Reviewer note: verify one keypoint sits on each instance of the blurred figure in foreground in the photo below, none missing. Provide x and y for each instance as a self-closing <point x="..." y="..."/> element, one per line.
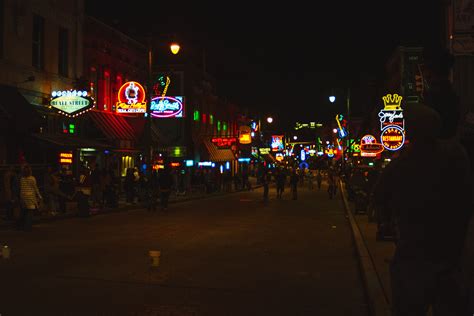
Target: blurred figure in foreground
<point x="425" y="195"/>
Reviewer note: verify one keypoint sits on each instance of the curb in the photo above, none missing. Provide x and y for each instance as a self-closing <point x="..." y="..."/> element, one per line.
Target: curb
<point x="11" y="226"/>
<point x="378" y="303"/>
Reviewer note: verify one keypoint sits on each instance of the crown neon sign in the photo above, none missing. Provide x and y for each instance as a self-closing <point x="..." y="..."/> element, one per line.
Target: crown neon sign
<point x="392" y="122"/>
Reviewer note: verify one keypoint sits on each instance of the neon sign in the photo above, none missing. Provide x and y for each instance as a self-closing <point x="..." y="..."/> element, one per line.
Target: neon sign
<point x="393" y="137"/>
<point x="65" y="158"/>
<point x="224" y="142"/>
<point x="245" y="136"/>
<point x="71" y="103"/>
<point x="342" y="132"/>
<point x="264" y="151"/>
<point x="131" y="98"/>
<point x="369" y="146"/>
<point x="277" y="143"/>
<point x="163" y="107"/>
<point x="392" y="123"/>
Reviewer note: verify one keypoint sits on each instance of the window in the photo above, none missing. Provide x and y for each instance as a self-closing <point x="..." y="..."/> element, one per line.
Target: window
<point x="63" y="44"/>
<point x="38" y="42"/>
<point x="93" y="82"/>
<point x="107" y="102"/>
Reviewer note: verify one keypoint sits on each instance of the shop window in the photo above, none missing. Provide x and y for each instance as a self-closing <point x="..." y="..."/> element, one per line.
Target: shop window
<point x="127" y="162"/>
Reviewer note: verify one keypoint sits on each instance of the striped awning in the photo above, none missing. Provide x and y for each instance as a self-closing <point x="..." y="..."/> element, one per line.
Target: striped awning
<point x="113" y="126"/>
<point x="218" y="155"/>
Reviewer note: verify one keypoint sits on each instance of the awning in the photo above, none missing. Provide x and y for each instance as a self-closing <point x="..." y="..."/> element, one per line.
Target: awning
<point x="70" y="141"/>
<point x="114" y="127"/>
<point x="16" y="113"/>
<point x="268" y="158"/>
<point x="218" y="155"/>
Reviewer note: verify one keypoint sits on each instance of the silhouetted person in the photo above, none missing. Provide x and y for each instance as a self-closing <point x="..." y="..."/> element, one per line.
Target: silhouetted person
<point x="294" y="178"/>
<point x="265" y="180"/>
<point x="280" y="179"/>
<point x="425" y="194"/>
<point x="30" y="198"/>
<point x="165" y="180"/>
<point x="438" y="91"/>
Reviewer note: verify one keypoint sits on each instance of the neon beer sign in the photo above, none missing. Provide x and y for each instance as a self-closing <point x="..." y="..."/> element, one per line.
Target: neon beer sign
<point x="131" y="98"/>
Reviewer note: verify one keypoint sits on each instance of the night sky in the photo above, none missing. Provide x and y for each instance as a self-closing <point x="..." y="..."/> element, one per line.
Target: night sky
<point x="283" y="59"/>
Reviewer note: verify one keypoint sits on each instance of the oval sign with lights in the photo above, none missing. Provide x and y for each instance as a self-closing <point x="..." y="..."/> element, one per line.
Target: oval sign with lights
<point x="392" y="137"/>
<point x="163" y="107"/>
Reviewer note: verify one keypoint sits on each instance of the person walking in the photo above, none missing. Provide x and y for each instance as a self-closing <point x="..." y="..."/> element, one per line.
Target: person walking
<point x="165" y="180"/>
<point x="332" y="187"/>
<point x="280" y="179"/>
<point x="265" y="180"/>
<point x="294" y="179"/>
<point x="319" y="179"/>
<point x="30" y="199"/>
<point x="129" y="186"/>
<point x="10" y="198"/>
<point x="428" y="204"/>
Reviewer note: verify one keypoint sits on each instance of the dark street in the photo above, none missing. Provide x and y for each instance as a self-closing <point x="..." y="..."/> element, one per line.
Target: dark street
<point x="229" y="255"/>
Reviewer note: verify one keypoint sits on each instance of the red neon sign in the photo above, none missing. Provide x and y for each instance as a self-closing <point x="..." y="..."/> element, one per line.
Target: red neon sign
<point x="131" y="98"/>
<point x="224" y="142"/>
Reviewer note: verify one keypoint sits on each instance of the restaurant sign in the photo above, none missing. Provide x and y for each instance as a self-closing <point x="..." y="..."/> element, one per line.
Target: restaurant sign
<point x="393" y="137"/>
<point x="131" y="98"/>
<point x="224" y="142"/>
<point x="163" y="107"/>
<point x="392" y="123"/>
<point x="71" y="102"/>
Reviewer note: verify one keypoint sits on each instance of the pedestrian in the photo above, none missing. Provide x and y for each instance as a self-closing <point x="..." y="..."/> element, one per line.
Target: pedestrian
<point x="30" y="199"/>
<point x="332" y="187"/>
<point x="10" y="196"/>
<point x="425" y="194"/>
<point x="319" y="179"/>
<point x="129" y="186"/>
<point x="152" y="191"/>
<point x="280" y="179"/>
<point x="265" y="180"/>
<point x="165" y="181"/>
<point x="294" y="179"/>
<point x="310" y="180"/>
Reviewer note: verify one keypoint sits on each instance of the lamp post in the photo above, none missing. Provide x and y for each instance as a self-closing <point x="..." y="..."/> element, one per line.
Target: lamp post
<point x="174" y="48"/>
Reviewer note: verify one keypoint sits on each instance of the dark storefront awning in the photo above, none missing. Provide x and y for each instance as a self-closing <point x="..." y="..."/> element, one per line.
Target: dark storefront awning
<point x="268" y="158"/>
<point x="218" y="155"/>
<point x="114" y="127"/>
<point x="69" y="141"/>
<point x="16" y="113"/>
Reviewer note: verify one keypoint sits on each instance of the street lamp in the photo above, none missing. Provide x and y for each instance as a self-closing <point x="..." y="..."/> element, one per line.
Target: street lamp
<point x="174" y="48"/>
<point x="332" y="98"/>
<point x="270" y="119"/>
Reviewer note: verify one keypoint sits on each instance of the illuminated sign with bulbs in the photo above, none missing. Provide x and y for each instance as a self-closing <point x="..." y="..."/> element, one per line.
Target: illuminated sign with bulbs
<point x="71" y="103"/>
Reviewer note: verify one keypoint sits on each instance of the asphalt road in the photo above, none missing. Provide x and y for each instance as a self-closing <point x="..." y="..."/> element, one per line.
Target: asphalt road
<point x="227" y="255"/>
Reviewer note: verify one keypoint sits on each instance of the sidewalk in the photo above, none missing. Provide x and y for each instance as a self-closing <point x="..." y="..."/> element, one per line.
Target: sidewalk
<point x="374" y="257"/>
<point x="123" y="206"/>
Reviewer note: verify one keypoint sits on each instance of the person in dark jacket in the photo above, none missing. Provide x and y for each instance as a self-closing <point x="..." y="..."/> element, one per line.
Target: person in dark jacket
<point x="165" y="180"/>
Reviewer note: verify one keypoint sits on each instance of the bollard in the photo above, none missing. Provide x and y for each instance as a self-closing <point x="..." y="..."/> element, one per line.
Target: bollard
<point x="5" y="252"/>
<point x="155" y="257"/>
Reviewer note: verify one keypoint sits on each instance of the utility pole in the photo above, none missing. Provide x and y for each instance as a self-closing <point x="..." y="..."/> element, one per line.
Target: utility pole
<point x="149" y="147"/>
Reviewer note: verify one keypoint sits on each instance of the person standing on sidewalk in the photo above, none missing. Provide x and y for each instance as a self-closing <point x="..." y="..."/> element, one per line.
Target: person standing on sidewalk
<point x="294" y="178"/>
<point x="165" y="181"/>
<point x="426" y="193"/>
<point x="265" y="180"/>
<point x="319" y="179"/>
<point x="30" y="199"/>
<point x="280" y="179"/>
